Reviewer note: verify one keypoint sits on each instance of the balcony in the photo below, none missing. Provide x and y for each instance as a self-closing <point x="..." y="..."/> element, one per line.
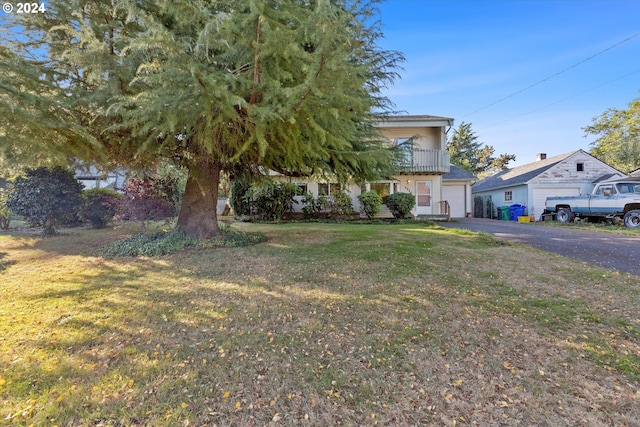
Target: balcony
<point x="424" y="161"/>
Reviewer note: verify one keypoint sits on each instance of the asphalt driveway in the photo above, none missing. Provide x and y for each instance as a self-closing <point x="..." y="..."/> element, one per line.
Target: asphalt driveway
<point x="607" y="250"/>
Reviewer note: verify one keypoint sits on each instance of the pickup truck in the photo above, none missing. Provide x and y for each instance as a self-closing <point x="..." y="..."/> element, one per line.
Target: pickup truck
<point x="613" y="201"/>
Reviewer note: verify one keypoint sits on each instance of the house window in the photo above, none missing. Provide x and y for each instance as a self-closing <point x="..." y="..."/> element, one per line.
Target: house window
<point x="508" y="196"/>
<point x="382" y="188"/>
<point x="326" y="189"/>
<point x="303" y="188"/>
<point x="580" y="167"/>
<point x="323" y="189"/>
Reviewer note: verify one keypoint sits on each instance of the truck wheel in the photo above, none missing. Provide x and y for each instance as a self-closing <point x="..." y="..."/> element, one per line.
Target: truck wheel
<point x="564" y="215"/>
<point x="632" y="218"/>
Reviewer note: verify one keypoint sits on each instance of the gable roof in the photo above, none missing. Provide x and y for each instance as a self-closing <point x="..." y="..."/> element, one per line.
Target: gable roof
<point x="518" y="175"/>
<point x="523" y="174"/>
<point x="457" y="174"/>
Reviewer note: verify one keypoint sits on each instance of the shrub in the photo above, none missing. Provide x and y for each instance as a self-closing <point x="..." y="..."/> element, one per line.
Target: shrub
<point x="99" y="206"/>
<point x="148" y="198"/>
<point x="370" y="203"/>
<point x="5" y="214"/>
<point x="340" y="203"/>
<point x="46" y="197"/>
<point x="150" y="244"/>
<point x="323" y="202"/>
<point x="311" y="205"/>
<point x="400" y="204"/>
<point x="272" y="200"/>
<point x="234" y="238"/>
<point x="237" y="200"/>
<point x="163" y="243"/>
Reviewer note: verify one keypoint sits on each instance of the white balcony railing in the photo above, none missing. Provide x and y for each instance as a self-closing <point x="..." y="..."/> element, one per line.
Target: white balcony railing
<point x="425" y="161"/>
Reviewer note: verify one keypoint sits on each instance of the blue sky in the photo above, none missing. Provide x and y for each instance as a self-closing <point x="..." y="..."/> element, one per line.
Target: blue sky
<point x="528" y="74"/>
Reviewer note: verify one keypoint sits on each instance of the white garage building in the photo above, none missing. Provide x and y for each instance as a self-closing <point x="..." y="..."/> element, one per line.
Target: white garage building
<point x="568" y="174"/>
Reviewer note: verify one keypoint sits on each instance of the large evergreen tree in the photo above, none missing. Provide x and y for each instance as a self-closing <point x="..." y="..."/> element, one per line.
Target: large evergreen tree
<point x="468" y="153"/>
<point x="241" y="86"/>
<point x="618" y="137"/>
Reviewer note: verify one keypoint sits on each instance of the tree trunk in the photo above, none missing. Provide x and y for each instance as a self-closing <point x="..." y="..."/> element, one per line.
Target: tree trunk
<point x="197" y="217"/>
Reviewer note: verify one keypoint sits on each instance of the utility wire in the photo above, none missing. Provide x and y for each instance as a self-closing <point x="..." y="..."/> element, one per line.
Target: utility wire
<point x="562" y="100"/>
<point x="552" y="76"/>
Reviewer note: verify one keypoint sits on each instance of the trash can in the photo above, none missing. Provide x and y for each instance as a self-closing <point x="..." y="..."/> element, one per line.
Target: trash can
<point x="516" y="210"/>
<point x="505" y="211"/>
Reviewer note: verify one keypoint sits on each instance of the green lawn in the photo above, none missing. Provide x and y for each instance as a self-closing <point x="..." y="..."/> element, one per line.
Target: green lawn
<point x="324" y="324"/>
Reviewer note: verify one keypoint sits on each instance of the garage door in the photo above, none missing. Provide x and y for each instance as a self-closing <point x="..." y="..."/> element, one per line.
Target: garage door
<point x="540" y="196"/>
<point x="454" y="194"/>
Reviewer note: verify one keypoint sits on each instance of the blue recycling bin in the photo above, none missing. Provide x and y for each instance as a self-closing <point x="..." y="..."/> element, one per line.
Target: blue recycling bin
<point x="516" y="210"/>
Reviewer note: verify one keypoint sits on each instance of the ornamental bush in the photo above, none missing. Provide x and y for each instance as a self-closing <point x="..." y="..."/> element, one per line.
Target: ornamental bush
<point x="311" y="205"/>
<point x="237" y="198"/>
<point x="270" y="201"/>
<point x="340" y="203"/>
<point x="46" y="197"/>
<point x="400" y="204"/>
<point x="148" y="198"/>
<point x="99" y="206"/>
<point x="370" y="203"/>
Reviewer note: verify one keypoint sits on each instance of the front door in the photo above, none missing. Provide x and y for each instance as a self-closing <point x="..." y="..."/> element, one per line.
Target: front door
<point x="423" y="198"/>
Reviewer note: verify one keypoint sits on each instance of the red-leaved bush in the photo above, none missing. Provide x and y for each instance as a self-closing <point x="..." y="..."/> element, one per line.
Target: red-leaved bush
<point x="148" y="198"/>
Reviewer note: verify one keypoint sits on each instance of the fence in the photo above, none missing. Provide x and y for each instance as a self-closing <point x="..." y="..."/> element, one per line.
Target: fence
<point x="483" y="207"/>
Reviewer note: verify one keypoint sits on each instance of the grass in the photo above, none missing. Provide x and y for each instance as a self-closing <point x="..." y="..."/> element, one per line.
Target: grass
<point x="322" y="324"/>
<point x="594" y="226"/>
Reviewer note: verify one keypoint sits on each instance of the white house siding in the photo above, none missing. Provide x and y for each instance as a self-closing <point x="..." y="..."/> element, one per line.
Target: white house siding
<point x="407" y="184"/>
<point x="402" y="184"/>
<point x="567" y="170"/>
<point x="426" y="138"/>
<point x="519" y="196"/>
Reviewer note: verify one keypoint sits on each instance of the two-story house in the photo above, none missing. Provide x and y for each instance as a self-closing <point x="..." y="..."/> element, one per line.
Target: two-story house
<point x="424" y="170"/>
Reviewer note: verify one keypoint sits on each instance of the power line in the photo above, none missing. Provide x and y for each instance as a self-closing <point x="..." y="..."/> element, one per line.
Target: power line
<point x="563" y="100"/>
<point x="552" y="76"/>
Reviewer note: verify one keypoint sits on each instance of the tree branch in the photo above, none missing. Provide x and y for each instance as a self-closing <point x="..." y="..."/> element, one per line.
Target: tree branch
<point x="256" y="73"/>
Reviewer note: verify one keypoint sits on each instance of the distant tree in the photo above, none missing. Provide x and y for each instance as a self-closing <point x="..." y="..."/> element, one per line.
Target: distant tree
<point x="618" y="137"/>
<point x="467" y="153"/>
<point x="236" y="86"/>
<point x="46" y="197"/>
<point x="502" y="162"/>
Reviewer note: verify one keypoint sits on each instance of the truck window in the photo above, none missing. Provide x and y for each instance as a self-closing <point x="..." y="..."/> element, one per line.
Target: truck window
<point x="626" y="188"/>
<point x="605" y="190"/>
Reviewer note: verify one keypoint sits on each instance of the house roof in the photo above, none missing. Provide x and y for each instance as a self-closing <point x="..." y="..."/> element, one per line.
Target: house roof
<point x="457" y="174"/>
<point x="414" y="120"/>
<point x="518" y="175"/>
<point x="522" y="174"/>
